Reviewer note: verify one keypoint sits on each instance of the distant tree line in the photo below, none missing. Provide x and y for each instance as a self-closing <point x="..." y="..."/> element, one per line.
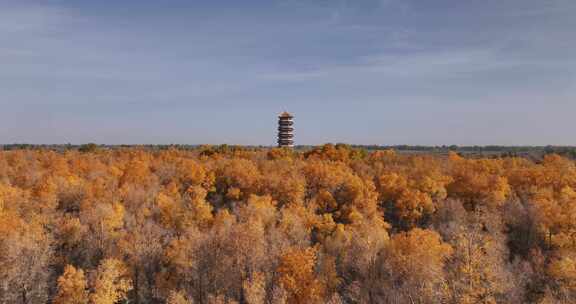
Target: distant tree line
<point x="488" y="151"/>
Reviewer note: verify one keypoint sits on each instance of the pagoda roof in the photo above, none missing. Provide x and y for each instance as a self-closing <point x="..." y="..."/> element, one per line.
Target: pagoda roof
<point x="285" y="114"/>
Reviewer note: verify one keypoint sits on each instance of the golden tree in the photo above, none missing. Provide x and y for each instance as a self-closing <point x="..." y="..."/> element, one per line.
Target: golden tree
<point x="72" y="287"/>
<point x="415" y="261"/>
<point x="111" y="283"/>
<point x="562" y="271"/>
<point x="297" y="276"/>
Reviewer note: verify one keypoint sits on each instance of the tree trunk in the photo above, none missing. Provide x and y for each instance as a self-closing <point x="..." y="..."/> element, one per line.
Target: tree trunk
<point x="136" y="286"/>
<point x="24" y="296"/>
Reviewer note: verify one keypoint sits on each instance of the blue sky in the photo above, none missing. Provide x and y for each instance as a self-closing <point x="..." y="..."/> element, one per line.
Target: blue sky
<point x="363" y="71"/>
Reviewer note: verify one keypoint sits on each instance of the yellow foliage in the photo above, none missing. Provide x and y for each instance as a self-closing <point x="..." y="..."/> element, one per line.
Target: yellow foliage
<point x="199" y="210"/>
<point x="479" y="181"/>
<point x="297" y="276"/>
<point x="111" y="283"/>
<point x="336" y="223"/>
<point x="72" y="287"/>
<point x="563" y="269"/>
<point x="255" y="289"/>
<point x="177" y="297"/>
<point x="419" y="249"/>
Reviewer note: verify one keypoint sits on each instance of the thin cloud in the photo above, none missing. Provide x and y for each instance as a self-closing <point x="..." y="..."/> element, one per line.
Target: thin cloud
<point x="30" y="18"/>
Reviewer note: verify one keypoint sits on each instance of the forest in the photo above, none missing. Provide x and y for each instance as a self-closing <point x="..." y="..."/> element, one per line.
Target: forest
<point x="333" y="224"/>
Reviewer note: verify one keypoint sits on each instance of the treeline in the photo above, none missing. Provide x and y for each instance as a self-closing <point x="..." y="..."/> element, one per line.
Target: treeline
<point x="491" y="150"/>
<point x="332" y="224"/>
<point x="488" y="151"/>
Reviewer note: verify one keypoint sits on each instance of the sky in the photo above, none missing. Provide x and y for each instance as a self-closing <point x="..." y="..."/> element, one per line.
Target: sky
<point x="473" y="72"/>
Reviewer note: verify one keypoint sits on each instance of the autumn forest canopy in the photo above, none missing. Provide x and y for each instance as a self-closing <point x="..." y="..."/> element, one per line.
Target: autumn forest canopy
<point x="334" y="224"/>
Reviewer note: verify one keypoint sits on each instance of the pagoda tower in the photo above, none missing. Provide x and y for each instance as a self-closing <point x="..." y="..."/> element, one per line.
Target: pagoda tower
<point x="285" y="130"/>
